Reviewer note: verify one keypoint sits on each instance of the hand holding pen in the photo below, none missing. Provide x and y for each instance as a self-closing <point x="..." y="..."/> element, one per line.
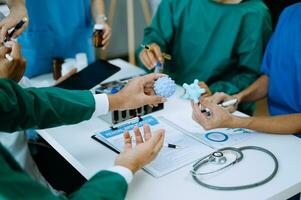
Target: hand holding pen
<point x="152" y="57"/>
<point x="17" y="14"/>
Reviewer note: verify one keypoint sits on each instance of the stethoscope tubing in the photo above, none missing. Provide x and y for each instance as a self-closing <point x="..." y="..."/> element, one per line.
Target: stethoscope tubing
<point x="204" y="160"/>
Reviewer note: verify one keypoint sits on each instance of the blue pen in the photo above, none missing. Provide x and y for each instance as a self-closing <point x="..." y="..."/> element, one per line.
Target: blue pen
<point x="158" y="67"/>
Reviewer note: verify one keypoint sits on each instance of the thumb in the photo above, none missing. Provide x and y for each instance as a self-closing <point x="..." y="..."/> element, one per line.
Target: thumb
<point x="3" y="33"/>
<point x="153" y="99"/>
<point x="3" y="51"/>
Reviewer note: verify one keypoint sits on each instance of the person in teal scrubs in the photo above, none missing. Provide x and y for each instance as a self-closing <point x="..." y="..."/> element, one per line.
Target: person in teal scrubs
<point x="280" y="83"/>
<point x="57" y="29"/>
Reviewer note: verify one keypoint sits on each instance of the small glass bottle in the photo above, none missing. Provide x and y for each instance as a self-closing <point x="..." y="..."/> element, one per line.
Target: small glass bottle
<point x="98" y="35"/>
<point x="57" y="67"/>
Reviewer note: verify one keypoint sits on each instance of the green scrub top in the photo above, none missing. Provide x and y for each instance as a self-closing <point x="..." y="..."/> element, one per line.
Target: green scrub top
<point x="221" y="44"/>
<point x="44" y="108"/>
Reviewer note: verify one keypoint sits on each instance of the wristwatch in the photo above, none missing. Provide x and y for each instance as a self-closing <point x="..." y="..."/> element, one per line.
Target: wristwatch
<point x="101" y="17"/>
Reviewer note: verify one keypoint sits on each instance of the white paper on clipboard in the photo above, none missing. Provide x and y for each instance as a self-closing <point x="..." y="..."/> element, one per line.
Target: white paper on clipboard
<point x="168" y="159"/>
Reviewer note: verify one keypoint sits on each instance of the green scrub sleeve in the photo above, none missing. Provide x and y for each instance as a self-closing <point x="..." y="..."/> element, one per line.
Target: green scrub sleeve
<point x="42" y="107"/>
<point x="16" y="184"/>
<point x="161" y="29"/>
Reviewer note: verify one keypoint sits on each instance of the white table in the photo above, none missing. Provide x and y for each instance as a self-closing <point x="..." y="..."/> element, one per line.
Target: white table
<point x="74" y="143"/>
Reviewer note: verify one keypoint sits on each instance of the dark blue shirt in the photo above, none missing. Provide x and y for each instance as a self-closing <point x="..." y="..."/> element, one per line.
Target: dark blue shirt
<point x="282" y="64"/>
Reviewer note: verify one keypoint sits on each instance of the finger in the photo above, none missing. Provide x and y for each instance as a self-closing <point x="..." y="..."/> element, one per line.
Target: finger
<point x="16" y="50"/>
<point x="3" y="51"/>
<point x="127" y="140"/>
<point x="156" y="138"/>
<point x="18" y="32"/>
<point x="147" y="132"/>
<point x="154" y="100"/>
<point x="152" y="58"/>
<point x="194" y="106"/>
<point x="106" y="39"/>
<point x="218" y="98"/>
<point x="105" y="46"/>
<point x="158" y="53"/>
<point x="160" y="142"/>
<point x="149" y="91"/>
<point x="21" y="69"/>
<point x="145" y="60"/>
<point x="3" y="33"/>
<point x="213" y="107"/>
<point x="205" y="86"/>
<point x="65" y="77"/>
<point x="107" y="33"/>
<point x="151" y="78"/>
<point x="138" y="135"/>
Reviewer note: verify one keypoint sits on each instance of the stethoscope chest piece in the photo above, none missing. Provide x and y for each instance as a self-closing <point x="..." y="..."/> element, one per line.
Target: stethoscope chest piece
<point x="217" y="158"/>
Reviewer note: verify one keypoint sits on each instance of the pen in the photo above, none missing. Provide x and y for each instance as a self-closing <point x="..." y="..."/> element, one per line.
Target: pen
<point x="228" y="103"/>
<point x="165" y="55"/>
<point x="172" y="146"/>
<point x="224" y="105"/>
<point x="17" y="27"/>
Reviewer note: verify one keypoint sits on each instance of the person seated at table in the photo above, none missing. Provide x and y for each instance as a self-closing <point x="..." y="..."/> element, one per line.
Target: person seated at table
<point x="220" y="42"/>
<point x="280" y="83"/>
<point x="50" y="107"/>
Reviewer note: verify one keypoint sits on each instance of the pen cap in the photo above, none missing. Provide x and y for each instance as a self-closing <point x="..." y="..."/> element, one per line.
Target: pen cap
<point x="98" y="27"/>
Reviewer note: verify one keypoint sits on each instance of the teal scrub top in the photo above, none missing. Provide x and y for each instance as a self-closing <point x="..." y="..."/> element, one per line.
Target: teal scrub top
<point x="57" y="28"/>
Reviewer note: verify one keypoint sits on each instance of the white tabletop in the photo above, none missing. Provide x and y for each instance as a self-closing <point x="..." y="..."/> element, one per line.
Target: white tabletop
<point x="74" y="143"/>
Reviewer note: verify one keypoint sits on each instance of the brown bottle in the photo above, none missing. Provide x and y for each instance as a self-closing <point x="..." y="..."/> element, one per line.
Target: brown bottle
<point x="98" y="35"/>
<point x="57" y="67"/>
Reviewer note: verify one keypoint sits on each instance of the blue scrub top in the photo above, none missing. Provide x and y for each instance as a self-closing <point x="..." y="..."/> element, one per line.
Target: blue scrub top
<point x="57" y="28"/>
<point x="282" y="64"/>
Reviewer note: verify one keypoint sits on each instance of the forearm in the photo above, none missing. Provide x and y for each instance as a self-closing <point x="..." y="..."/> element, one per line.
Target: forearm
<point x="258" y="90"/>
<point x="98" y="10"/>
<point x="285" y="124"/>
<point x="43" y="107"/>
<point x="15" y="3"/>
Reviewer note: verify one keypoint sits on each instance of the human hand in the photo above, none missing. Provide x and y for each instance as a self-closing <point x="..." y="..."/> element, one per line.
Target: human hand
<point x="219" y="117"/>
<point x="65" y="77"/>
<point x="144" y="152"/>
<point x="150" y="57"/>
<point x="138" y="92"/>
<point x="220" y="97"/>
<point x="17" y="13"/>
<point x="15" y="68"/>
<point x="106" y="36"/>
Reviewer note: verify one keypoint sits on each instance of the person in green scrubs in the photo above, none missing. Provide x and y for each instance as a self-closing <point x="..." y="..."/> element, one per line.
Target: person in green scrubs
<point x="220" y="42"/>
<point x="50" y="107"/>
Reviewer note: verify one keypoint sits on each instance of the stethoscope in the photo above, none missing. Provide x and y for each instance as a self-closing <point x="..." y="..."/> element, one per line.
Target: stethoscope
<point x="218" y="158"/>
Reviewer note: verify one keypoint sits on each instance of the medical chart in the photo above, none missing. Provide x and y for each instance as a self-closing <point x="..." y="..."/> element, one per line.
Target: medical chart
<point x="216" y="138"/>
<point x="169" y="159"/>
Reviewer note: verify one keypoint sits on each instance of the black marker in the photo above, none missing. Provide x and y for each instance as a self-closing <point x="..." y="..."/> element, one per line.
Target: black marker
<point x="172" y="146"/>
<point x="17" y="27"/>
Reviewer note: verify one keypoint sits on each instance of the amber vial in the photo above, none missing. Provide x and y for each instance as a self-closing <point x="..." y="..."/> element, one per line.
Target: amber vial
<point x="98" y="35"/>
<point x="57" y="67"/>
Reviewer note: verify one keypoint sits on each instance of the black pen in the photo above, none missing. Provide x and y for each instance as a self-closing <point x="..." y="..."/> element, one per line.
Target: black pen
<point x="17" y="27"/>
<point x="172" y="146"/>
